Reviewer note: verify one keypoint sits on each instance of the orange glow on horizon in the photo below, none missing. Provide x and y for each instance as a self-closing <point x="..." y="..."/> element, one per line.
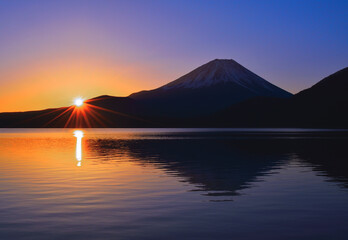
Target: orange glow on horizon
<point x="51" y="84"/>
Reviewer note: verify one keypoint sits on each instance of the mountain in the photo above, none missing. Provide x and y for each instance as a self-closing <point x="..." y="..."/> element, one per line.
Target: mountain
<point x="322" y="105"/>
<point x="331" y="89"/>
<point x="207" y="89"/>
<point x="325" y="103"/>
<point x="220" y="93"/>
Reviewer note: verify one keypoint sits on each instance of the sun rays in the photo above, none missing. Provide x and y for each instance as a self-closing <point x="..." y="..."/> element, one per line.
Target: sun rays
<point x="96" y="112"/>
<point x="81" y="114"/>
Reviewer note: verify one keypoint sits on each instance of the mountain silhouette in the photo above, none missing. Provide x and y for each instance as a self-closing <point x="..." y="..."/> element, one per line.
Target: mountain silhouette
<point x="322" y="105"/>
<point x="221" y="93"/>
<point x="207" y="89"/>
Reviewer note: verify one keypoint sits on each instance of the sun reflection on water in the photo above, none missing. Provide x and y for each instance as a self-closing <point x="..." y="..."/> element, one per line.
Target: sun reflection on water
<point x="79" y="135"/>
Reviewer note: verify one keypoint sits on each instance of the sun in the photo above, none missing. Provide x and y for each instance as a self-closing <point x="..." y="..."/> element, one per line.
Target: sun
<point x="78" y="102"/>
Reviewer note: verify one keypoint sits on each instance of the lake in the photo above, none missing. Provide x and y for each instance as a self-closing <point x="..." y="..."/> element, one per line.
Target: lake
<point x="173" y="184"/>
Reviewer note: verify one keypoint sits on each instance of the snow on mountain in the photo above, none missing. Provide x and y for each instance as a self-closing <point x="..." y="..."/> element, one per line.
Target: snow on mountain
<point x="219" y="71"/>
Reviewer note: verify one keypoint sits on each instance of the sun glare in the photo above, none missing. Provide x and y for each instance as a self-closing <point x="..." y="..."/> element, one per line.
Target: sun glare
<point x="78" y="102"/>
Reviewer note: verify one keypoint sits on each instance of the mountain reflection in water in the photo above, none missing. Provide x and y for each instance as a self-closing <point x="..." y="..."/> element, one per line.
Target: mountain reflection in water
<point x="173" y="183"/>
<point x="220" y="164"/>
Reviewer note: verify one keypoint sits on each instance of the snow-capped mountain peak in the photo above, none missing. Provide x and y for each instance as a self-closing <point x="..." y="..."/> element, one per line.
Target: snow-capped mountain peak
<point x="210" y="87"/>
<point x="219" y="71"/>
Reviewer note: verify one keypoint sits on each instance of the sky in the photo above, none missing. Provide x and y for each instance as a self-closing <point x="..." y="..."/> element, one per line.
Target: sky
<point x="54" y="51"/>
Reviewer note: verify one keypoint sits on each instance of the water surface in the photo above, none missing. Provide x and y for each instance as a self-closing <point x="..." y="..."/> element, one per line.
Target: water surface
<point x="173" y="184"/>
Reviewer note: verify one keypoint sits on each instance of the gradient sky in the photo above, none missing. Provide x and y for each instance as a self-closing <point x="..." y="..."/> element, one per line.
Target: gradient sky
<point x="53" y="51"/>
